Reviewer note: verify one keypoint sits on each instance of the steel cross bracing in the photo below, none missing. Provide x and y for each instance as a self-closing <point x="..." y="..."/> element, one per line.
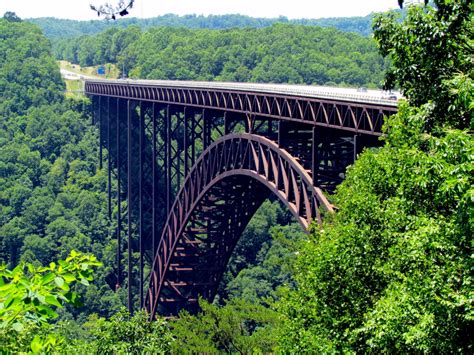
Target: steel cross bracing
<point x="340" y="113"/>
<point x="183" y="181"/>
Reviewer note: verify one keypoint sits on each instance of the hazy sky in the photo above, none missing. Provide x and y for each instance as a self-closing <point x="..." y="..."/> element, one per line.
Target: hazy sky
<point x="79" y="9"/>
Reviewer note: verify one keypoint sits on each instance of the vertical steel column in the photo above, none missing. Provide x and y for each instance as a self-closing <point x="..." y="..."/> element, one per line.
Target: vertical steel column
<point x="314" y="155"/>
<point x="154" y="188"/>
<point x="100" y="132"/>
<point x="140" y="195"/>
<point x="119" y="202"/>
<point x="109" y="164"/>
<point x="280" y="133"/>
<point x="194" y="135"/>
<point x="185" y="144"/>
<point x="129" y="205"/>
<point x="168" y="158"/>
<point x="355" y="148"/>
<point x="178" y="153"/>
<point x="207" y="130"/>
<point x="226" y="124"/>
<point x="94" y="109"/>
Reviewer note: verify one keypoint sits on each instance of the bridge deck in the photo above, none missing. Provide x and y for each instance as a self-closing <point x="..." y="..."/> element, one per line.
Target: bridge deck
<point x="338" y="108"/>
<point x="309" y="91"/>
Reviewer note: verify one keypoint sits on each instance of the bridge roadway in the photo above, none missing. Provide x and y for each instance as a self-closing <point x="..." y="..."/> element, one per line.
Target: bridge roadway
<point x="194" y="160"/>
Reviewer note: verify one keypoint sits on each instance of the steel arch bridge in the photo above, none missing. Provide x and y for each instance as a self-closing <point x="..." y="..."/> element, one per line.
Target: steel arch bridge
<point x="189" y="163"/>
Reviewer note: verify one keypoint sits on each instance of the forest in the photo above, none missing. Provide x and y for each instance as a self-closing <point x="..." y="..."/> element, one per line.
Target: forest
<point x="54" y="28"/>
<point x="391" y="271"/>
<point x="281" y="53"/>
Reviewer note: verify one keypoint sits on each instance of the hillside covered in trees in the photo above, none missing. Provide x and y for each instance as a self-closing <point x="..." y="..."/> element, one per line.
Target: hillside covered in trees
<point x="54" y="28"/>
<point x="52" y="196"/>
<point x="281" y="53"/>
<point x="390" y="272"/>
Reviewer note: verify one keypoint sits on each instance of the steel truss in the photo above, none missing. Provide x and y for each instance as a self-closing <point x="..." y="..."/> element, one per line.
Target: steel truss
<point x="186" y="179"/>
<point x="366" y="118"/>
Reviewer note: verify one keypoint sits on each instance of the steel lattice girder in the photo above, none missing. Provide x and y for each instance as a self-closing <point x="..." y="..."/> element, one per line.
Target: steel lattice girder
<point x="355" y="117"/>
<point x="235" y="155"/>
<point x="220" y="193"/>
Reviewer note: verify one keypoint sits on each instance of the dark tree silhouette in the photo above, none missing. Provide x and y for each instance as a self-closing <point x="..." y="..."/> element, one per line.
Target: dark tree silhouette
<point x="111" y="11"/>
<point x="11" y="17"/>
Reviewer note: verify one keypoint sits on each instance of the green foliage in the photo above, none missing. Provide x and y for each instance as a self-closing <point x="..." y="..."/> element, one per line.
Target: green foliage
<point x="260" y="262"/>
<point x="258" y="282"/>
<point x="238" y="326"/>
<point x="29" y="295"/>
<point x="123" y="333"/>
<point x="26" y="62"/>
<point x="392" y="270"/>
<point x="55" y="28"/>
<point x="433" y="45"/>
<point x="52" y="197"/>
<point x="282" y="53"/>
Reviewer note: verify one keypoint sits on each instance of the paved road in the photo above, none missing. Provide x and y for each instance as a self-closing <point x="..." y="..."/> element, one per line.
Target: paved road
<point x="69" y="75"/>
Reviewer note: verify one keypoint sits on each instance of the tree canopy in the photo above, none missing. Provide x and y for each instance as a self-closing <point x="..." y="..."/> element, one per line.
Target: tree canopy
<point x="52" y="197"/>
<point x="54" y="28"/>
<point x="281" y="53"/>
<point x="392" y="270"/>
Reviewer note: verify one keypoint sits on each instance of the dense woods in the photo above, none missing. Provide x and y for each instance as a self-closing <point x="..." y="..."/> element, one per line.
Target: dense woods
<point x="54" y="28"/>
<point x="52" y="197"/>
<point x="391" y="271"/>
<point x="281" y="53"/>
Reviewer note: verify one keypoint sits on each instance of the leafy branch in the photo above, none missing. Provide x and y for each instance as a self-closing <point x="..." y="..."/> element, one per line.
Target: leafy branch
<point x="29" y="294"/>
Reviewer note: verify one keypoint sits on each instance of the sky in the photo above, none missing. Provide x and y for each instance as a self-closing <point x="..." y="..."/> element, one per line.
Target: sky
<point x="79" y="9"/>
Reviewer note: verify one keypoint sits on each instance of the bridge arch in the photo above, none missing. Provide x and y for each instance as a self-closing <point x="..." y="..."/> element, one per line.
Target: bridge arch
<point x="221" y="193"/>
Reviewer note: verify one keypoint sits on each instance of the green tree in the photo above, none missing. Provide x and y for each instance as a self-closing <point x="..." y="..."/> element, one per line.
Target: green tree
<point x="52" y="196"/>
<point x="392" y="270"/>
<point x="123" y="333"/>
<point x="11" y="17"/>
<point x="282" y="53"/>
<point x="429" y="48"/>
<point x="238" y="326"/>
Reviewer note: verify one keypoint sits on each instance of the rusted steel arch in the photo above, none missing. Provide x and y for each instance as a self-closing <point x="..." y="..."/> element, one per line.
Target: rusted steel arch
<point x="256" y="161"/>
<point x="200" y="257"/>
